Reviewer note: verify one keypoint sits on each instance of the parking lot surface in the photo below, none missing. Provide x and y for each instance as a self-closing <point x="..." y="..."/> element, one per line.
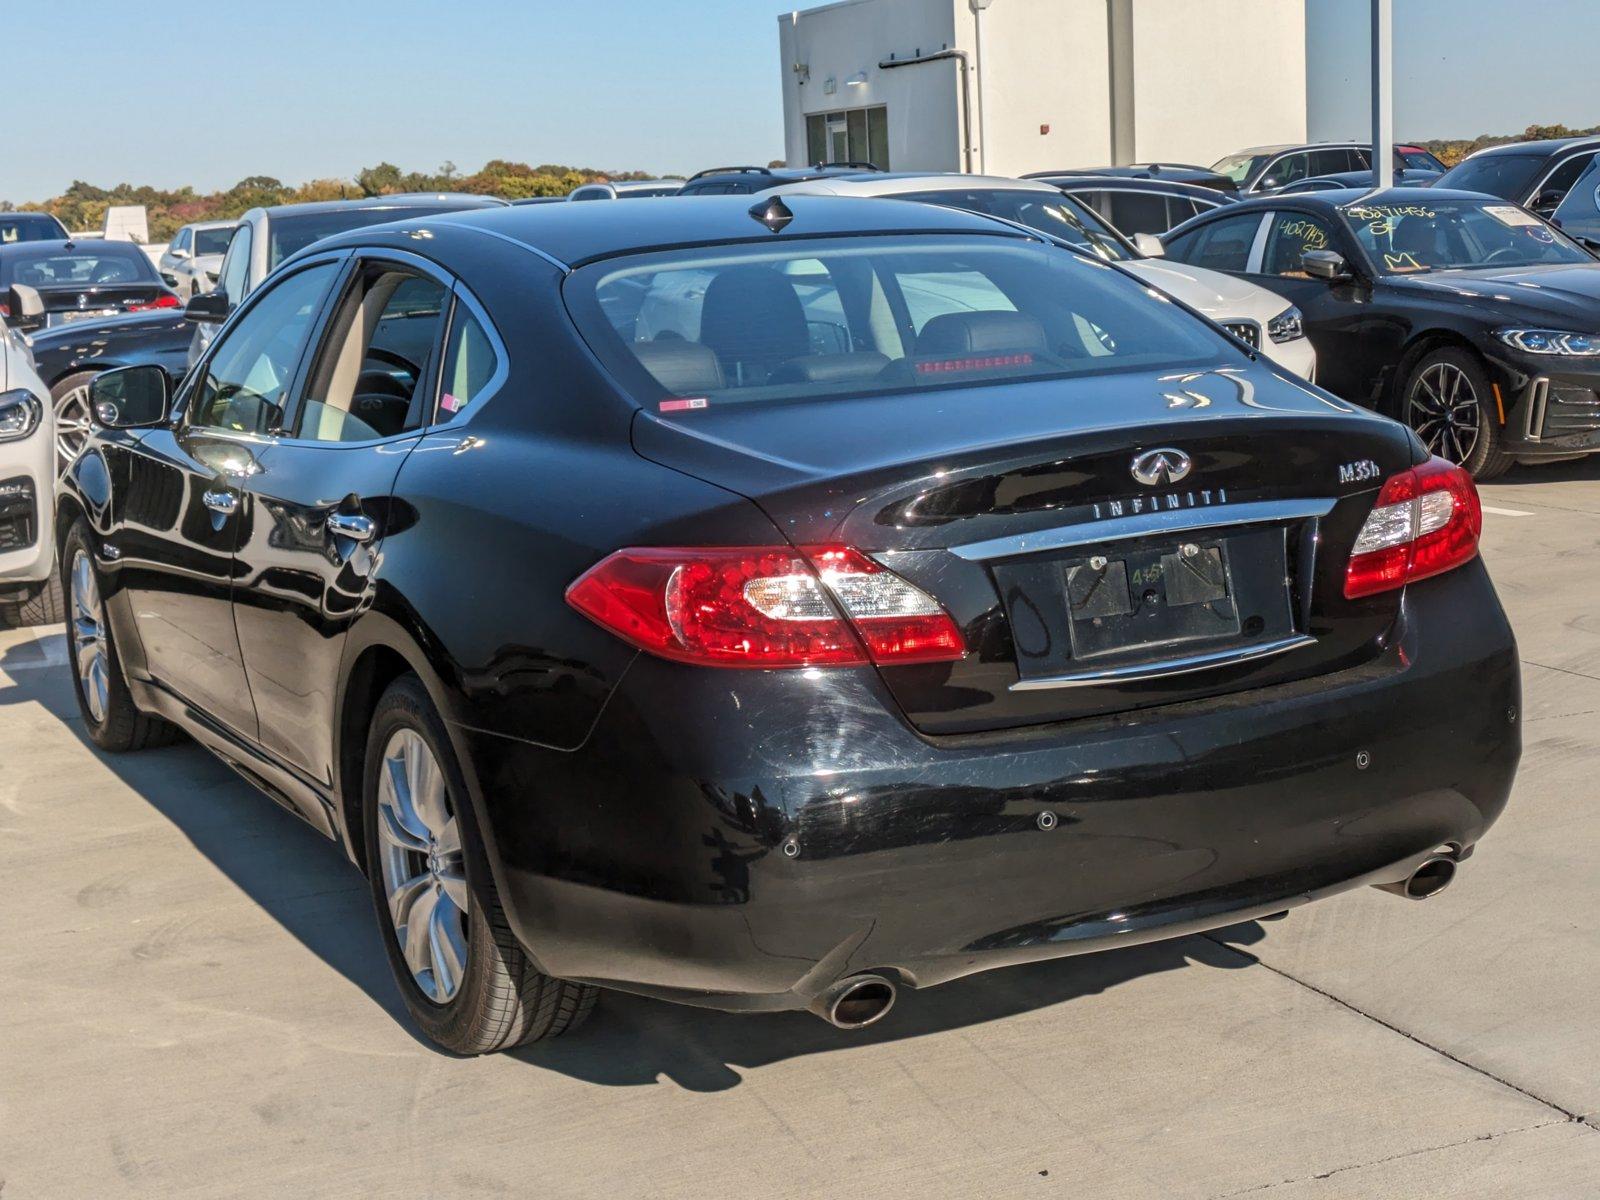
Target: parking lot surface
<point x="195" y="1002"/>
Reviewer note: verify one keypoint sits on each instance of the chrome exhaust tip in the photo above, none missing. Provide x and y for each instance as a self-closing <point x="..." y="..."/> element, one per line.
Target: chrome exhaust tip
<point x="856" y="1001"/>
<point x="1429" y="879"/>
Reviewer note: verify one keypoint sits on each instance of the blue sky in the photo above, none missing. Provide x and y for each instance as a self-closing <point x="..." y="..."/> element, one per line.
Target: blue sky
<point x="207" y="93"/>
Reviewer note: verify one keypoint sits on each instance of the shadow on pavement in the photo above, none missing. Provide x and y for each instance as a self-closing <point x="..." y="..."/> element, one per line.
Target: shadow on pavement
<point x="304" y="882"/>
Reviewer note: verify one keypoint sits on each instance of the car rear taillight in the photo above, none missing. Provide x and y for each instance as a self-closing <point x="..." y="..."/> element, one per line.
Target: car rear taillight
<point x="166" y="301"/>
<point x="765" y="607"/>
<point x="1426" y="521"/>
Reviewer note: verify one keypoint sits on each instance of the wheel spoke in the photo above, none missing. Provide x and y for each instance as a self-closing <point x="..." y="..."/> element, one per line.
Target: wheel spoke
<point x="447" y="946"/>
<point x="396" y="834"/>
<point x="419" y="915"/>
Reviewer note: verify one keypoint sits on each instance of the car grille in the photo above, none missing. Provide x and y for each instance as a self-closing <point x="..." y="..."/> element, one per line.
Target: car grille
<point x="1247" y="332"/>
<point x="1570" y="409"/>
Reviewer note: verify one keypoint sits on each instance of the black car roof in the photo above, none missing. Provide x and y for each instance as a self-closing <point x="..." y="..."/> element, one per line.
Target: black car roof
<point x="1339" y="197"/>
<point x="572" y="234"/>
<point x="60" y="245"/>
<point x="1547" y="146"/>
<point x="1068" y="181"/>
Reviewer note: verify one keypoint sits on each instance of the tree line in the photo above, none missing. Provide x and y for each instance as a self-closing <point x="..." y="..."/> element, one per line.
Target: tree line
<point x="1450" y="151"/>
<point x="83" y="205"/>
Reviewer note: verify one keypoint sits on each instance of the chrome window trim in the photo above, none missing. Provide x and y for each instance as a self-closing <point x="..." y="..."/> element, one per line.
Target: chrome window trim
<point x="1170" y="666"/>
<point x="1117" y="529"/>
<point x="1533" y="193"/>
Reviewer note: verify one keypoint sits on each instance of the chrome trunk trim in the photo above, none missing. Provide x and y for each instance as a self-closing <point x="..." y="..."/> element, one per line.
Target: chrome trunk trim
<point x="1160" y="670"/>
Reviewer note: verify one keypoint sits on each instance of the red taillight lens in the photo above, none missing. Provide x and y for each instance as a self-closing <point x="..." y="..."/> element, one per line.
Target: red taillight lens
<point x="1426" y="521"/>
<point x="166" y="301"/>
<point x="5" y="312"/>
<point x="765" y="607"/>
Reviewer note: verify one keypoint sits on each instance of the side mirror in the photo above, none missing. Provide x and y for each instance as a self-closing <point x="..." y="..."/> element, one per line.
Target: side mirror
<point x="1268" y="184"/>
<point x="177" y="252"/>
<point x="131" y="397"/>
<point x="1149" y="245"/>
<point x="25" y="306"/>
<point x="1325" y="264"/>
<point x="208" y="308"/>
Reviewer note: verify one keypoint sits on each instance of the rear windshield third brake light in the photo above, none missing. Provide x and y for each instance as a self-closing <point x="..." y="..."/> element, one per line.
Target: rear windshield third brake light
<point x="765" y="607"/>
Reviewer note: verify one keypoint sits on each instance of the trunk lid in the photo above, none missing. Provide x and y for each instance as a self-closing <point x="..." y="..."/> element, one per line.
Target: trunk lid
<point x="63" y="305"/>
<point x="1017" y="508"/>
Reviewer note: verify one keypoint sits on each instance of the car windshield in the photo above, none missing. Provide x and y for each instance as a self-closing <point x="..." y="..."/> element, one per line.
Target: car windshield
<point x="292" y="232"/>
<point x="82" y="266"/>
<point x="1506" y="175"/>
<point x="1049" y="213"/>
<point x="1239" y="167"/>
<point x="212" y="241"/>
<point x="708" y="327"/>
<point x="1405" y="238"/>
<point x="29" y="227"/>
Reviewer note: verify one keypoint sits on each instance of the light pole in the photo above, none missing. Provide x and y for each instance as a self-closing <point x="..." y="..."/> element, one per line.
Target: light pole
<point x="1382" y="93"/>
<point x="978" y="7"/>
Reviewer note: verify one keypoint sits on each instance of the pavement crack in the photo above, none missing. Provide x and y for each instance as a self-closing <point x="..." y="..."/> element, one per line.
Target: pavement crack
<point x="1258" y="1188"/>
<point x="1567" y="1113"/>
<point x="1528" y="662"/>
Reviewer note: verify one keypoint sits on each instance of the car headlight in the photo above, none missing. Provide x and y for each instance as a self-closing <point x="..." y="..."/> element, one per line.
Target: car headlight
<point x="1551" y="341"/>
<point x="1287" y="325"/>
<point x="20" y="414"/>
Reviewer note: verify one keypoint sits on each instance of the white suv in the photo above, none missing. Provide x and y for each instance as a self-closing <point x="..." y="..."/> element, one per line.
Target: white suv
<point x="1261" y="318"/>
<point x="28" y="593"/>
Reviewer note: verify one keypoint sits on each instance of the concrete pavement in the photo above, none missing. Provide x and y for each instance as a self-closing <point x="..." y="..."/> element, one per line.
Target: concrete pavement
<point x="195" y="1003"/>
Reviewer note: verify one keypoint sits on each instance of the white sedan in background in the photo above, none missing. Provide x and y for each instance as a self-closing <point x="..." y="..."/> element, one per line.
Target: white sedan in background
<point x="1261" y="318"/>
<point x="193" y="259"/>
<point x="29" y="593"/>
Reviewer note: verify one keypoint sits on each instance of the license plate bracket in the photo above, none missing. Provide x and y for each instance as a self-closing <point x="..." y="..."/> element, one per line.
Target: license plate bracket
<point x="1137" y="601"/>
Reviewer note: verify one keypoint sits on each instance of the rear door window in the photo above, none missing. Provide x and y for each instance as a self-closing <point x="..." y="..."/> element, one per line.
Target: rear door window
<point x="1222" y="245"/>
<point x="1139" y="212"/>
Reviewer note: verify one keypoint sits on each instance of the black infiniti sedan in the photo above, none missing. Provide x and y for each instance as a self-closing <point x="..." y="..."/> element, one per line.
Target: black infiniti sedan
<point x="780" y="607"/>
<point x="1471" y="319"/>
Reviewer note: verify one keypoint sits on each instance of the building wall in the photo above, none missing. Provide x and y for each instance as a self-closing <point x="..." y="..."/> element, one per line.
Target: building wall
<point x="1215" y="76"/>
<point x="1209" y="77"/>
<point x="841" y="41"/>
<point x="1045" y="65"/>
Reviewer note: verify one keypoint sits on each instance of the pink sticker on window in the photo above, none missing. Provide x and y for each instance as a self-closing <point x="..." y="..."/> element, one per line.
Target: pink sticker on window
<point x="682" y="405"/>
<point x="449" y="403"/>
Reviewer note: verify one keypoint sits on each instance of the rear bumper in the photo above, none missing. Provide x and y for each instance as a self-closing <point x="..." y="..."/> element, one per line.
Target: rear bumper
<point x="741" y="840"/>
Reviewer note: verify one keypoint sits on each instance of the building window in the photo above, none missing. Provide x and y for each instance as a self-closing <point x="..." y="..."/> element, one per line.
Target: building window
<point x="849" y="135"/>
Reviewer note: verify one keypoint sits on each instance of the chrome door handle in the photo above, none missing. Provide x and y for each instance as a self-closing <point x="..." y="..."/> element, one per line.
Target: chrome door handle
<point x="226" y="503"/>
<point x="353" y="526"/>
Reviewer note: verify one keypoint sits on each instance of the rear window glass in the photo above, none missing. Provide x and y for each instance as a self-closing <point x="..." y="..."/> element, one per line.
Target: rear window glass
<point x="212" y="241"/>
<point x="1504" y="175"/>
<point x="54" y="266"/>
<point x="30" y="227"/>
<point x="817" y="319"/>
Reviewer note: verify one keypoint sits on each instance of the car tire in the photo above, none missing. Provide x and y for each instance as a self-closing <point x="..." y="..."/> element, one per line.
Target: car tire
<point x="69" y="397"/>
<point x="429" y="874"/>
<point x="29" y="608"/>
<point x="1448" y="400"/>
<point x="113" y="721"/>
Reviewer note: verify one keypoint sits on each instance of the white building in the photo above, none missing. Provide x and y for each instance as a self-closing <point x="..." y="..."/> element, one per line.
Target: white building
<point x="1033" y="85"/>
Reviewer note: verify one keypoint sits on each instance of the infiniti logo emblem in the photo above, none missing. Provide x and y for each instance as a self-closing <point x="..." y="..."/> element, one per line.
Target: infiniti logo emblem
<point x="1156" y="468"/>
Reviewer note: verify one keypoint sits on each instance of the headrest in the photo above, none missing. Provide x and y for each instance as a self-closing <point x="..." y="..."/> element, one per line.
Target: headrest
<point x="981" y="333"/>
<point x="683" y="368"/>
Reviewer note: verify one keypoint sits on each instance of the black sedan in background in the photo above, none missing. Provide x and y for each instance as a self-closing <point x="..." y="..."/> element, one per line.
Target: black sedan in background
<point x="1471" y="319"/>
<point x="629" y="635"/>
<point x="30" y="227"/>
<point x="1358" y="179"/>
<point x="1135" y="206"/>
<point x="47" y="284"/>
